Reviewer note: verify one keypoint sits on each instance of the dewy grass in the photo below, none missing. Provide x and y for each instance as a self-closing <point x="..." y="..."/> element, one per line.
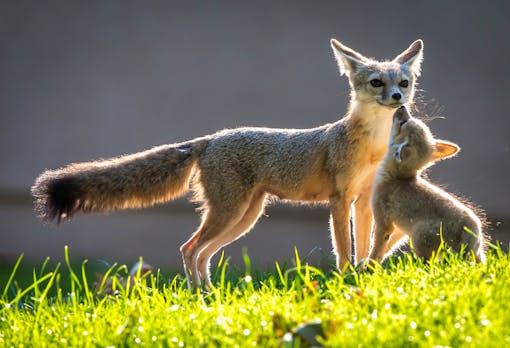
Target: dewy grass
<point x="406" y="303"/>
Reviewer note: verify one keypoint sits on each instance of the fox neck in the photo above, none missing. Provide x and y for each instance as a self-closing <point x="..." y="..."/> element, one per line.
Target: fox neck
<point x="389" y="171"/>
<point x="375" y="120"/>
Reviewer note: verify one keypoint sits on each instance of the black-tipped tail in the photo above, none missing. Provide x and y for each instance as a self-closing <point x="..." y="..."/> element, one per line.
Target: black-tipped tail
<point x="56" y="197"/>
<point x="138" y="180"/>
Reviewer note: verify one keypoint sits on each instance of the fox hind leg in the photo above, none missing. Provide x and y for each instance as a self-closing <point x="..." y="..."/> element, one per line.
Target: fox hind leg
<point x="218" y="241"/>
<point x="213" y="224"/>
<point x="187" y="250"/>
<point x="218" y="220"/>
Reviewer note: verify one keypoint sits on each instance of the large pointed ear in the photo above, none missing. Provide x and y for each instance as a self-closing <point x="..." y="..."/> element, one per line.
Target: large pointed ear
<point x="412" y="57"/>
<point x="348" y="59"/>
<point x="444" y="149"/>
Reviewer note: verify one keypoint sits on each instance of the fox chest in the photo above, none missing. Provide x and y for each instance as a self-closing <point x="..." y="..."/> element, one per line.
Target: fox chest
<point x="363" y="178"/>
<point x="368" y="153"/>
<point x="358" y="173"/>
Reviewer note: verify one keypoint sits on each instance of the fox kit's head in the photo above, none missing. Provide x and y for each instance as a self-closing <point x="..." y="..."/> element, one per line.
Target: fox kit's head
<point x="412" y="146"/>
<point x="389" y="83"/>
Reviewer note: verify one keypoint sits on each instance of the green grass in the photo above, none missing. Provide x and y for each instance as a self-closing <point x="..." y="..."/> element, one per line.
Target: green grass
<point x="405" y="304"/>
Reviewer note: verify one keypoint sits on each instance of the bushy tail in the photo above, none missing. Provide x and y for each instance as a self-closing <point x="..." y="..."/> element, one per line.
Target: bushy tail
<point x="131" y="181"/>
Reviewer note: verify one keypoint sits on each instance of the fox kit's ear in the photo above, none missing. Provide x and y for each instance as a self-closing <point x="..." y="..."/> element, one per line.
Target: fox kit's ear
<point x="399" y="151"/>
<point x="348" y="60"/>
<point x="412" y="57"/>
<point x="444" y="149"/>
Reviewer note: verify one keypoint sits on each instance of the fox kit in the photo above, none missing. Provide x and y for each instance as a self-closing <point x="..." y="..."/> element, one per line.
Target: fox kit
<point x="403" y="199"/>
<point x="234" y="171"/>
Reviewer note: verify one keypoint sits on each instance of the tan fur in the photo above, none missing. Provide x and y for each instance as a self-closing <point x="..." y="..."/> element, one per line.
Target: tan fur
<point x="131" y="181"/>
<point x="236" y="170"/>
<point x="404" y="200"/>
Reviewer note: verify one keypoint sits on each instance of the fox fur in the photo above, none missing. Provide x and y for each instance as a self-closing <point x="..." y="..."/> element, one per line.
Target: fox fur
<point x="234" y="171"/>
<point x="403" y="199"/>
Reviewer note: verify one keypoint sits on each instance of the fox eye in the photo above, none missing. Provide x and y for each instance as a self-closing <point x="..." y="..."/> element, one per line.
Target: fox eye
<point x="376" y="83"/>
<point x="404" y="83"/>
<point x="402" y="123"/>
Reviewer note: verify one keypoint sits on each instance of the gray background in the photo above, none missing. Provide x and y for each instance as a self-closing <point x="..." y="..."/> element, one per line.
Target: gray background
<point x="87" y="79"/>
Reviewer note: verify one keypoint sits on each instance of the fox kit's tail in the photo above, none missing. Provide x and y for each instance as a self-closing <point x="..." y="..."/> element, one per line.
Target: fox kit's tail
<point x="131" y="181"/>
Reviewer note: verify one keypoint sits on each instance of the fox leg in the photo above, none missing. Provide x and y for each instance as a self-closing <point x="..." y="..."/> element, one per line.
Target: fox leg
<point x="215" y="222"/>
<point x="480" y="256"/>
<point x="382" y="235"/>
<point x="341" y="229"/>
<point x="397" y="238"/>
<point x="426" y="238"/>
<point x="218" y="241"/>
<point x="363" y="221"/>
<point x="187" y="250"/>
<point x="219" y="219"/>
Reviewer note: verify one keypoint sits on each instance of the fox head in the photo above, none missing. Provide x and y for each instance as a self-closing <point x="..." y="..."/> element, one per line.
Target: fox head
<point x="390" y="83"/>
<point x="412" y="146"/>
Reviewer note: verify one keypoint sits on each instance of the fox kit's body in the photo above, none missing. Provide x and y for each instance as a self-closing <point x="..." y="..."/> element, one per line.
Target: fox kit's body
<point x="421" y="210"/>
<point x="235" y="170"/>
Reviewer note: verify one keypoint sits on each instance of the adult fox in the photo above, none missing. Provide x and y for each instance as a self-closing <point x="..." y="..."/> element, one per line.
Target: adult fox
<point x="235" y="170"/>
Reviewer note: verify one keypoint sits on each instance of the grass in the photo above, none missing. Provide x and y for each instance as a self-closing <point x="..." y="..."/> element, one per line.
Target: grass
<point x="406" y="303"/>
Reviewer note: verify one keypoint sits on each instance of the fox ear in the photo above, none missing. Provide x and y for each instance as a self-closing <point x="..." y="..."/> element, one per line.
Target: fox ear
<point x="348" y="60"/>
<point x="399" y="153"/>
<point x="444" y="149"/>
<point x="412" y="57"/>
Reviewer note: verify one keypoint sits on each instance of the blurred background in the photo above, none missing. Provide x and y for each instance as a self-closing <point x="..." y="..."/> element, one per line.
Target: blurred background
<point x="84" y="80"/>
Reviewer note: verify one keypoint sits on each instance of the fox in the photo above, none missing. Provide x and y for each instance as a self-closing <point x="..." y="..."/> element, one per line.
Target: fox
<point x="234" y="173"/>
<point x="405" y="204"/>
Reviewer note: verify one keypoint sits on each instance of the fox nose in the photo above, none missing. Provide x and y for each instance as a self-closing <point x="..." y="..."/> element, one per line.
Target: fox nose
<point x="396" y="96"/>
<point x="402" y="114"/>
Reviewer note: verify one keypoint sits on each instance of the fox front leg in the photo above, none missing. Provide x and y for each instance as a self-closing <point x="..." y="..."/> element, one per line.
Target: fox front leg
<point x="397" y="238"/>
<point x="382" y="234"/>
<point x="340" y="208"/>
<point x="363" y="221"/>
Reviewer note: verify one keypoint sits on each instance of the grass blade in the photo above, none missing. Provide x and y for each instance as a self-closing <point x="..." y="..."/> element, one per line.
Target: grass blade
<point x="11" y="277"/>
